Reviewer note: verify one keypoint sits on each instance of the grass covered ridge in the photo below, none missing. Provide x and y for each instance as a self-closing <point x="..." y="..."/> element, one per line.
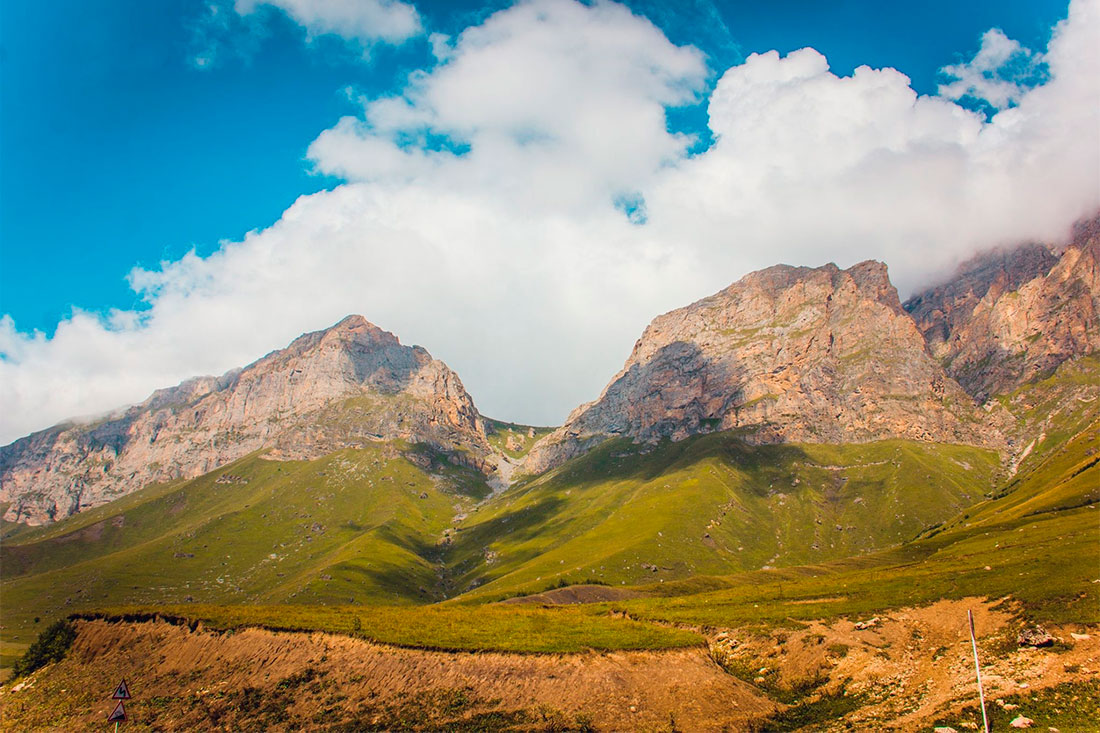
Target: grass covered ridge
<point x="466" y="629"/>
<point x="512" y="439"/>
<point x="625" y="514"/>
<point x="357" y="526"/>
<point x="1035" y="542"/>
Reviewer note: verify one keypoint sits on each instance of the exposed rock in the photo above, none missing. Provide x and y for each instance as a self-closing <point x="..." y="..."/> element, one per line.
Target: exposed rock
<point x="942" y="310"/>
<point x="786" y="354"/>
<point x="1036" y="636"/>
<point x="330" y="389"/>
<point x="1021" y="722"/>
<point x="1008" y="317"/>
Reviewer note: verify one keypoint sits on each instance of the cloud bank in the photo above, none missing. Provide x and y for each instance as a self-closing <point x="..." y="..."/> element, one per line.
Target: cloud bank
<point x="522" y="210"/>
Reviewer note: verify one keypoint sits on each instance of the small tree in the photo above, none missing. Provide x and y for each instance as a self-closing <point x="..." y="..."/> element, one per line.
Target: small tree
<point x="51" y="646"/>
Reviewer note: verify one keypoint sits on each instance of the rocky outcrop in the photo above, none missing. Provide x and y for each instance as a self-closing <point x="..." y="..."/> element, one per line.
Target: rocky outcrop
<point x="785" y="354"/>
<point x="1008" y="317"/>
<point x="328" y="390"/>
<point x="945" y="309"/>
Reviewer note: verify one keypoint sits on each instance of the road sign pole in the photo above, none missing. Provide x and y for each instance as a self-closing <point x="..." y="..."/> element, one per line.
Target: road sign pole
<point x="977" y="671"/>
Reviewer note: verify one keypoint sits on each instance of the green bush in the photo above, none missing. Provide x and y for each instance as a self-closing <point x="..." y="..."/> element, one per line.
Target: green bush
<point x="51" y="646"/>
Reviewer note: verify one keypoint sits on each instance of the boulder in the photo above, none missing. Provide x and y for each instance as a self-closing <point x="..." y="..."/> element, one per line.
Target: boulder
<point x="1034" y="637"/>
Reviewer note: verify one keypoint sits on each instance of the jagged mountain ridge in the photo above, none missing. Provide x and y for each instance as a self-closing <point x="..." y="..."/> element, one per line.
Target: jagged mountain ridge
<point x="788" y="354"/>
<point x="327" y="390"/>
<point x="794" y="354"/>
<point x="1010" y="316"/>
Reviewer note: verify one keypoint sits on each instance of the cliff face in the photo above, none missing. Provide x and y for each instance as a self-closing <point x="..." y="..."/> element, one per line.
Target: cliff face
<point x="788" y="354"/>
<point x="1009" y="317"/>
<point x="942" y="310"/>
<point x="328" y="390"/>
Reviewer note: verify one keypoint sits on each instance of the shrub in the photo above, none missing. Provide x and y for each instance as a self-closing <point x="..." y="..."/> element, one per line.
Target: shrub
<point x="51" y="646"/>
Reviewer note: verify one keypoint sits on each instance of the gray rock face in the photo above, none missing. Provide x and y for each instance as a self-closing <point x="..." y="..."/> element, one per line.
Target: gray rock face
<point x="787" y="354"/>
<point x="1009" y="317"/>
<point x="329" y="389"/>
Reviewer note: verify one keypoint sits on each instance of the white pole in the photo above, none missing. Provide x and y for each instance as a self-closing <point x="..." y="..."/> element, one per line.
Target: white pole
<point x="978" y="671"/>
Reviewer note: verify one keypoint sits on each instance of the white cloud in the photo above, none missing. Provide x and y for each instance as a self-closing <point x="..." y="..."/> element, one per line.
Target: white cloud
<point x="999" y="74"/>
<point x="235" y="28"/>
<point x="481" y="216"/>
<point x="365" y="21"/>
<point x="815" y="166"/>
<point x="561" y="107"/>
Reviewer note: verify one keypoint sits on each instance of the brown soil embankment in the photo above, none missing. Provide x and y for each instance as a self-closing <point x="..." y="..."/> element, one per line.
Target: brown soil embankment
<point x="262" y="680"/>
<point x="902" y="671"/>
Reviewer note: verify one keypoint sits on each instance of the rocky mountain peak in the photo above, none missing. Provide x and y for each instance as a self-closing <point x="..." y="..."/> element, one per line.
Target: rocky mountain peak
<point x="784" y="354"/>
<point x="327" y="390"/>
<point x="357" y="330"/>
<point x="872" y="278"/>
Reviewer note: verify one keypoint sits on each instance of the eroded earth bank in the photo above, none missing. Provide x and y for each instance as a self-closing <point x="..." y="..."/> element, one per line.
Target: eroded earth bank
<point x="909" y="669"/>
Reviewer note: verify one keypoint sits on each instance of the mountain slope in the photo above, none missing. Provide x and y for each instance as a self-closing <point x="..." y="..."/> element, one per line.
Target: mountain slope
<point x="710" y="504"/>
<point x="1010" y="317"/>
<point x="358" y="525"/>
<point x="341" y="387"/>
<point x="793" y="354"/>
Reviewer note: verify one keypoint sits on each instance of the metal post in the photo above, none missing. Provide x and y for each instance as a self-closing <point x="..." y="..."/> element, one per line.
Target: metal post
<point x="978" y="671"/>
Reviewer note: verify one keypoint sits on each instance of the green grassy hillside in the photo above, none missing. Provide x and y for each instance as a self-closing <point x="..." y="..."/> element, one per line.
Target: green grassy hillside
<point x="709" y="530"/>
<point x="624" y="514"/>
<point x="387" y="524"/>
<point x="1035" y="542"/>
<point x="358" y="525"/>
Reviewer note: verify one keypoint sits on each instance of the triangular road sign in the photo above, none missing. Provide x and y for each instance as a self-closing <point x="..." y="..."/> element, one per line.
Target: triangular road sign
<point x="118" y="714"/>
<point x="122" y="692"/>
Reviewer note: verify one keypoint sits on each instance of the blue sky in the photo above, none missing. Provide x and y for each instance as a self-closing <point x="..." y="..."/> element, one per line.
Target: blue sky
<point x="185" y="184"/>
<point x="118" y="151"/>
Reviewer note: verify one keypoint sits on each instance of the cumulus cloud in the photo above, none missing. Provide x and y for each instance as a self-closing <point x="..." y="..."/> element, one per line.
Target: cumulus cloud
<point x="813" y="166"/>
<point x="551" y="105"/>
<point x="999" y="74"/>
<point x="522" y="210"/>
